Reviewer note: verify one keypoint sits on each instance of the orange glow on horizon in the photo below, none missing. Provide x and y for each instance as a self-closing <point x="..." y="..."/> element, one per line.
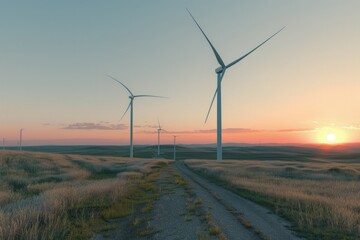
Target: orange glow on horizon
<point x="50" y="135"/>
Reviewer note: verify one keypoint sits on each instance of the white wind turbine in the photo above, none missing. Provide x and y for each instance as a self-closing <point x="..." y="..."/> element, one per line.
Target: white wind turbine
<point x="220" y="71"/>
<point x="131" y="105"/>
<point x="174" y="146"/>
<point x="21" y="136"/>
<point x="159" y="132"/>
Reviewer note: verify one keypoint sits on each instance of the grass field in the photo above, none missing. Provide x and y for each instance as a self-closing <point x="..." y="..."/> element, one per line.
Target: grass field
<point x="243" y="152"/>
<point x="69" y="195"/>
<point x="56" y="196"/>
<point x="320" y="197"/>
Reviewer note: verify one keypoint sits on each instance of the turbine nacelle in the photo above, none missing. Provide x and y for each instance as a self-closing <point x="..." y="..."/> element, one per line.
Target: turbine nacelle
<point x="219" y="70"/>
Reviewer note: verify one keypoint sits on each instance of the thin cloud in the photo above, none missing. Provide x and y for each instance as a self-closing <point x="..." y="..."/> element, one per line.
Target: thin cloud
<point x="228" y="130"/>
<point x="146" y="126"/>
<point x="352" y="127"/>
<point x="290" y="130"/>
<point x="225" y="130"/>
<point x="94" y="126"/>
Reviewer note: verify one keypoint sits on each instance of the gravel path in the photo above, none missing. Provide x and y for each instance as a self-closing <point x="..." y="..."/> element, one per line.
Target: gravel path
<point x="172" y="219"/>
<point x="222" y="201"/>
<point x="169" y="215"/>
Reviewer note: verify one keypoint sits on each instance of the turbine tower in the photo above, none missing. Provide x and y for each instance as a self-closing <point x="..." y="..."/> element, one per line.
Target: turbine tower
<point x="131" y="106"/>
<point x="158" y="132"/>
<point x="20" y="143"/>
<point x="174" y="147"/>
<point x="220" y="71"/>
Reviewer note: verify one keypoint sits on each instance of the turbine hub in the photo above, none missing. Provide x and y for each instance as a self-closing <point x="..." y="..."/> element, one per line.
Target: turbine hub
<point x="219" y="70"/>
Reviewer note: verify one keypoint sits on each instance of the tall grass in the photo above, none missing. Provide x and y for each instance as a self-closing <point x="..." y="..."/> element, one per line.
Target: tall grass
<point x="54" y="196"/>
<point x="49" y="215"/>
<point x="321" y="198"/>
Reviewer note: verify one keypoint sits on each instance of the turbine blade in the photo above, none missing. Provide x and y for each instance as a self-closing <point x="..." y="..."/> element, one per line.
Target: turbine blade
<point x="148" y="96"/>
<point x="238" y="60"/>
<point x="121" y="84"/>
<point x="159" y="124"/>
<point x="212" y="102"/>
<point x="218" y="58"/>
<point x="125" y="111"/>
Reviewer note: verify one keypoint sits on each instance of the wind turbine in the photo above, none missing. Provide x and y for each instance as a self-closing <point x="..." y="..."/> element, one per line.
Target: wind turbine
<point x="158" y="132"/>
<point x="174" y="147"/>
<point x="220" y="71"/>
<point x="20" y="143"/>
<point x="131" y="106"/>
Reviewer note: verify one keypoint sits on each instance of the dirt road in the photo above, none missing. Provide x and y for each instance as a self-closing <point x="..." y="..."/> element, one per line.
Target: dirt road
<point x="190" y="207"/>
<point x="238" y="217"/>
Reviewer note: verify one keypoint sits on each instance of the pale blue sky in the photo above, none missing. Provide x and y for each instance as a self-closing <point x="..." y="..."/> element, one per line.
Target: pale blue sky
<point x="54" y="57"/>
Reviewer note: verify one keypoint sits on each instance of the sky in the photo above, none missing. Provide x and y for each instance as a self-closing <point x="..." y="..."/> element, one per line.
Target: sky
<point x="300" y="87"/>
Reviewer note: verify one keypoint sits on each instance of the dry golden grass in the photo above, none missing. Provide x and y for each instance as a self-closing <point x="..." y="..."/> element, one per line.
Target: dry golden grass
<point x="55" y="196"/>
<point x="46" y="216"/>
<point x="319" y="197"/>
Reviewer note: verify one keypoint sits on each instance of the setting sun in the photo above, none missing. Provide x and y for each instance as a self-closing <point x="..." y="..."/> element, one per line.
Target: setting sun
<point x="331" y="135"/>
<point x="331" y="138"/>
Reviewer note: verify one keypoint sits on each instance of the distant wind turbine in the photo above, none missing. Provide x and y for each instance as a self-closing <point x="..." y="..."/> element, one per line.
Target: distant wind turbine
<point x="220" y="71"/>
<point x="158" y="132"/>
<point x="20" y="143"/>
<point x="131" y="105"/>
<point x="174" y="146"/>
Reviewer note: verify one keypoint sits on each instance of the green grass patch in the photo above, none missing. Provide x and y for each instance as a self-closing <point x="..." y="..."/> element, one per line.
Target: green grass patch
<point x="187" y="218"/>
<point x="123" y="208"/>
<point x="102" y="175"/>
<point x="148" y="207"/>
<point x="50" y="179"/>
<point x="144" y="192"/>
<point x="214" y="230"/>
<point x="148" y="232"/>
<point x="139" y="220"/>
